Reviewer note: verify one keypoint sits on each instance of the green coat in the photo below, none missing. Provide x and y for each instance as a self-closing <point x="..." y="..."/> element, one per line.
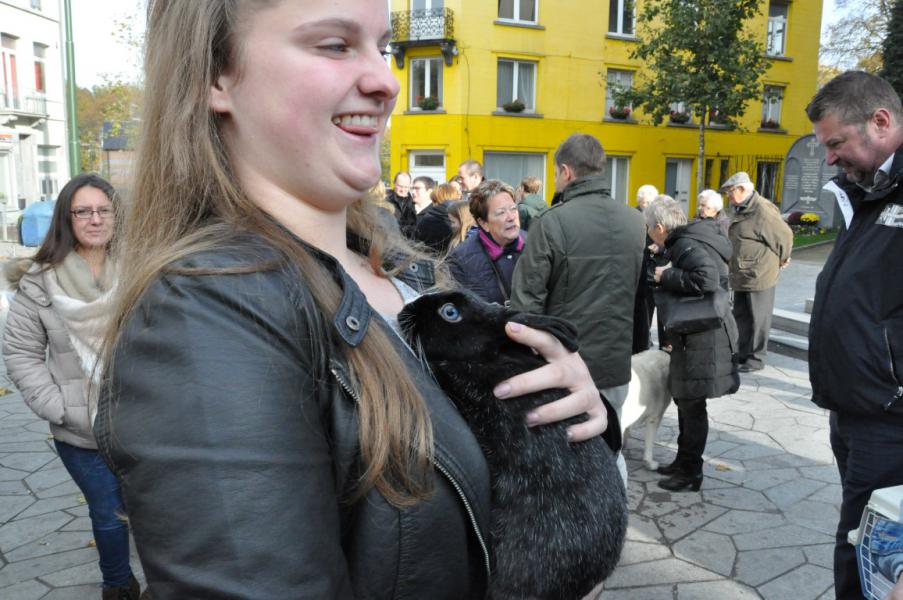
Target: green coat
<point x="582" y="262"/>
<point x="762" y="242"/>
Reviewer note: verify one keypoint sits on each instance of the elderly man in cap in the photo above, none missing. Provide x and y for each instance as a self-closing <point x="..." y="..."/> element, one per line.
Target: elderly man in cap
<point x="762" y="243"/>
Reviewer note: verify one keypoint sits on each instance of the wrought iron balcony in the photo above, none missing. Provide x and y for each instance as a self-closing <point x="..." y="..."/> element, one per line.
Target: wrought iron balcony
<point x="423" y="27"/>
<point x="24" y="111"/>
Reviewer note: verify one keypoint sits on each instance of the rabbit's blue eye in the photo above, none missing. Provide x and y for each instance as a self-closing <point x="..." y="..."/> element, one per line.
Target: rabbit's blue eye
<point x="450" y="313"/>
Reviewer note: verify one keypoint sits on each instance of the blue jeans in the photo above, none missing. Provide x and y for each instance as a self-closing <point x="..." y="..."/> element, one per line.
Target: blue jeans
<point x="101" y="490"/>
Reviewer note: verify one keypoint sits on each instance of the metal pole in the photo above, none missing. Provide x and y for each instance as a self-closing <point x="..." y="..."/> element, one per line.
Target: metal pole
<point x="71" y="102"/>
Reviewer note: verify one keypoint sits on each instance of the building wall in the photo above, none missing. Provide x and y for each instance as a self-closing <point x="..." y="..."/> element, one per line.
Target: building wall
<point x="33" y="150"/>
<point x="572" y="52"/>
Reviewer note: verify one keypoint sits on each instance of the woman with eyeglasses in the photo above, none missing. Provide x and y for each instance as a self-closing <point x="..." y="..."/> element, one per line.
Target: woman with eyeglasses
<point x="53" y="334"/>
<point x="484" y="263"/>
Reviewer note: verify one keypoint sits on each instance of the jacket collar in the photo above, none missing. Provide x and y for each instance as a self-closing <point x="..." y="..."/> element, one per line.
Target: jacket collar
<point x="354" y="314"/>
<point x="583" y="186"/>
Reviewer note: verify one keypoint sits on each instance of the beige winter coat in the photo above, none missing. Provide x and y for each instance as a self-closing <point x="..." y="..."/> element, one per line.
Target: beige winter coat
<point x="42" y="362"/>
<point x="762" y="244"/>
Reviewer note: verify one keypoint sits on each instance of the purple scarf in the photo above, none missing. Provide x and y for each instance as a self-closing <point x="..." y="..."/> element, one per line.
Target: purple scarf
<point x="494" y="250"/>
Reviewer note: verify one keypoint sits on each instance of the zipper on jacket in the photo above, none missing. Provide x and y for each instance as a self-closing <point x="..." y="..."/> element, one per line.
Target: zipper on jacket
<point x="893" y="373"/>
<point x="457" y="487"/>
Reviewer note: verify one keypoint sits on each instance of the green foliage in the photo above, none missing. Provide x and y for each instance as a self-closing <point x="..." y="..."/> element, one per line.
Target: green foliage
<point x="854" y="41"/>
<point x="697" y="52"/>
<point x="114" y="102"/>
<point x="893" y="49"/>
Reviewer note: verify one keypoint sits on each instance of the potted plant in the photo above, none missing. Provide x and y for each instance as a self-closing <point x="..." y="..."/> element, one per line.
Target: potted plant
<point x="619" y="112"/>
<point x="679" y="117"/>
<point x="515" y="106"/>
<point x="428" y="102"/>
<point x="716" y="118"/>
<point x="770" y="124"/>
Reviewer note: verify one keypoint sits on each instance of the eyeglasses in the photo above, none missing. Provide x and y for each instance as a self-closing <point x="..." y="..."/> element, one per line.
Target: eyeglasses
<point x="86" y="213"/>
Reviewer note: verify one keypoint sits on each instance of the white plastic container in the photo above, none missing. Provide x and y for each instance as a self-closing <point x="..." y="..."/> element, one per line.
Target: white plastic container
<point x="886" y="503"/>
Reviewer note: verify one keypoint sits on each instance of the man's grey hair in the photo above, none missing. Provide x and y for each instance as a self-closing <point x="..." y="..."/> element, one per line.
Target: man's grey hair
<point x="647" y="192"/>
<point x="710" y="198"/>
<point x="665" y="211"/>
<point x="854" y="97"/>
<point x="472" y="167"/>
<point x="583" y="154"/>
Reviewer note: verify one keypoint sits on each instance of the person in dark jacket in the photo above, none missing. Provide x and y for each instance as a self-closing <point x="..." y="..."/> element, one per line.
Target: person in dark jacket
<point x="644" y="303"/>
<point x="274" y="436"/>
<point x="703" y="365"/>
<point x="529" y="202"/>
<point x="710" y="205"/>
<point x="434" y="227"/>
<point x="856" y="329"/>
<point x="400" y="197"/>
<point x="484" y="263"/>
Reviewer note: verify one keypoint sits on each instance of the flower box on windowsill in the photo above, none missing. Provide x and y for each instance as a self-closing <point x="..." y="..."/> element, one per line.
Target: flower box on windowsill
<point x="515" y="106"/>
<point x="770" y="124"/>
<point x="428" y="103"/>
<point x="771" y="130"/>
<point x="504" y="113"/>
<point x="620" y="113"/>
<point x="679" y="118"/>
<point x="418" y="111"/>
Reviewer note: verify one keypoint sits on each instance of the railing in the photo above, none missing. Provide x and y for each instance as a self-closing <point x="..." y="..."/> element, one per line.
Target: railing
<point x="30" y="104"/>
<point x="423" y="24"/>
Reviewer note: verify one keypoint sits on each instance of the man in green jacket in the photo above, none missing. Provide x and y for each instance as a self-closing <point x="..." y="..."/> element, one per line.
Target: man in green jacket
<point x="762" y="244"/>
<point x="583" y="261"/>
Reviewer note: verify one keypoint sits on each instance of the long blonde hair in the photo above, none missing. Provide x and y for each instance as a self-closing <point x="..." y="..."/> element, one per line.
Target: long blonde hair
<point x="186" y="199"/>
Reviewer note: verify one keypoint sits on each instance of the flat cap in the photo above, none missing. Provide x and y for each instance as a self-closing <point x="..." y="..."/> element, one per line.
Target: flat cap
<point x="735" y="179"/>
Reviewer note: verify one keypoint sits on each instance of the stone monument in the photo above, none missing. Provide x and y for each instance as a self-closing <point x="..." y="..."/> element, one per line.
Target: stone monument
<point x="805" y="174"/>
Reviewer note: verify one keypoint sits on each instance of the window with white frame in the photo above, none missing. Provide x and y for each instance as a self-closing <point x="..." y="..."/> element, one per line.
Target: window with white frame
<point x="516" y="81"/>
<point x="616" y="80"/>
<point x="426" y="83"/>
<point x="47" y="171"/>
<point x="520" y="11"/>
<point x="620" y="17"/>
<point x="40" y="77"/>
<point x="9" y="80"/>
<point x="617" y="171"/>
<point x="36" y="4"/>
<point x="771" y="106"/>
<point x="512" y="167"/>
<point x="777" y="29"/>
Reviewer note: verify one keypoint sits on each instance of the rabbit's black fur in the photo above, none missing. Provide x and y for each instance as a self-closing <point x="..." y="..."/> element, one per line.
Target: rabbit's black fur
<point x="559" y="510"/>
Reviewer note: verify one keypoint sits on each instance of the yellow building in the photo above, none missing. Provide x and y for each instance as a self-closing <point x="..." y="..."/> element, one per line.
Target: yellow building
<point x="460" y="62"/>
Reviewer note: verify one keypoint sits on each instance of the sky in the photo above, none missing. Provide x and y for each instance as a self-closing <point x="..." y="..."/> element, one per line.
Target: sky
<point x="99" y="55"/>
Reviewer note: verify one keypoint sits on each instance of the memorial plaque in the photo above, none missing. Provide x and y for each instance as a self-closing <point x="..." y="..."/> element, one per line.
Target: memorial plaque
<point x="805" y="173"/>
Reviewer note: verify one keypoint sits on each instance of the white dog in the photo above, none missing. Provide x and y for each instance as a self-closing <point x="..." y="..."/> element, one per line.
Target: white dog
<point x="647" y="397"/>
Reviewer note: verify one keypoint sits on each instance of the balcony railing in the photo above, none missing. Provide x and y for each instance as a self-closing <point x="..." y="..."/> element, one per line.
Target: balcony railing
<point x="34" y="105"/>
<point x="423" y="27"/>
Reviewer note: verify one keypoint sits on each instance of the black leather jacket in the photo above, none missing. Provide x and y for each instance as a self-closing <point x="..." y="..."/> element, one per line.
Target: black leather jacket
<point x="230" y="420"/>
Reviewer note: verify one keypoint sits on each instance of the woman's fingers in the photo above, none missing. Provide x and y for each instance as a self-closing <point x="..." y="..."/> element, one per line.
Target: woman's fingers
<point x="564" y="370"/>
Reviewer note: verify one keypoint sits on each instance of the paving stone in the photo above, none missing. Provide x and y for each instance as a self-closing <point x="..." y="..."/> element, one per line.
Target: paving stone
<point x="681" y="522"/>
<point x="81" y="510"/>
<point x="10" y="506"/>
<point x="789" y="493"/>
<point x="14" y="488"/>
<point x="47" y="478"/>
<point x="709" y="550"/>
<point x="780" y="537"/>
<point x="660" y="592"/>
<point x="669" y="570"/>
<point x="737" y="418"/>
<point x="78" y="524"/>
<point x="37" y="567"/>
<point x="815" y="515"/>
<point x="830" y="494"/>
<point x="12" y="474"/>
<point x="829" y="595"/>
<point x="50" y="544"/>
<point x="803" y="583"/>
<point x="741" y="498"/>
<point x="27" y="461"/>
<point x="637" y="552"/>
<point x="764" y="479"/>
<point x="717" y="448"/>
<point x="825" y="473"/>
<point x="79" y="592"/>
<point x="41" y="507"/>
<point x="23" y="446"/>
<point x="821" y="555"/>
<point x="88" y="573"/>
<point x="642" y="529"/>
<point x="744" y="521"/>
<point x="19" y="533"/>
<point x="27" y="590"/>
<point x="716" y="590"/>
<point x="658" y="502"/>
<point x="781" y="461"/>
<point x="749" y="451"/>
<point x="755" y="567"/>
<point x="66" y="488"/>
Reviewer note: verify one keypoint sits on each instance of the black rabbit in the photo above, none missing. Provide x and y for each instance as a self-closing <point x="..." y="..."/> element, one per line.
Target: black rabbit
<point x="559" y="509"/>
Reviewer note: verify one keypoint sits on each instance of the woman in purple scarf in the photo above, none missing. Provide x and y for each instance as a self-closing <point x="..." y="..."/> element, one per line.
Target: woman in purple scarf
<point x="484" y="263"/>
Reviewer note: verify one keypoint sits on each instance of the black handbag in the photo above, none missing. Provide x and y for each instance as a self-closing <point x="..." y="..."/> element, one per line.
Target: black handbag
<point x="684" y="315"/>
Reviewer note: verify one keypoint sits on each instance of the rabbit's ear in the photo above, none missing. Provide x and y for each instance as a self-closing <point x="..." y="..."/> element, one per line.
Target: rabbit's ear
<point x="560" y="328"/>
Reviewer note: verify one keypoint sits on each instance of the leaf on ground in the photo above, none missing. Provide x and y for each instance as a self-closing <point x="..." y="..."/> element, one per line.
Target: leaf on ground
<point x="722" y="467"/>
<point x="4" y="391"/>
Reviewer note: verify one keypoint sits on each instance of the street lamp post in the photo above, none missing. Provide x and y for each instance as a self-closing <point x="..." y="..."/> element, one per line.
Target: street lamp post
<point x="71" y="102"/>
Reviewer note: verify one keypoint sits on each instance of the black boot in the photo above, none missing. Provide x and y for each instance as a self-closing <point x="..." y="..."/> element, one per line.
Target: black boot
<point x="681" y="481"/>
<point x="672" y="469"/>
<point x="132" y="591"/>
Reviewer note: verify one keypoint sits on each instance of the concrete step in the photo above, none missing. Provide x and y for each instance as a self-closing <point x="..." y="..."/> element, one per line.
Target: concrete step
<point x="788" y="344"/>
<point x="790" y="321"/>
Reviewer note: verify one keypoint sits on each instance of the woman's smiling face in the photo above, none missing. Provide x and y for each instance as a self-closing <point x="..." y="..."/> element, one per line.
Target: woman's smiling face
<point x="305" y="103"/>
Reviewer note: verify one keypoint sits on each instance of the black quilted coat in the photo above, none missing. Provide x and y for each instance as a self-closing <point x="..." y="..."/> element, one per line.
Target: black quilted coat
<point x="702" y="364"/>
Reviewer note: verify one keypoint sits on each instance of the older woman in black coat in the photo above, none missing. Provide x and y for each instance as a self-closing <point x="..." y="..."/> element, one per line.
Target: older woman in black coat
<point x="703" y="365"/>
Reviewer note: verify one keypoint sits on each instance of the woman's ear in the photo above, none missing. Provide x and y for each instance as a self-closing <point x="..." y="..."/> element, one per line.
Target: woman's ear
<point x="220" y="99"/>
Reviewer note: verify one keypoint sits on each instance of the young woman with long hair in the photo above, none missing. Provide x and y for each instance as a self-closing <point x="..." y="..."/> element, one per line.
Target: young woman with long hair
<point x="274" y="435"/>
